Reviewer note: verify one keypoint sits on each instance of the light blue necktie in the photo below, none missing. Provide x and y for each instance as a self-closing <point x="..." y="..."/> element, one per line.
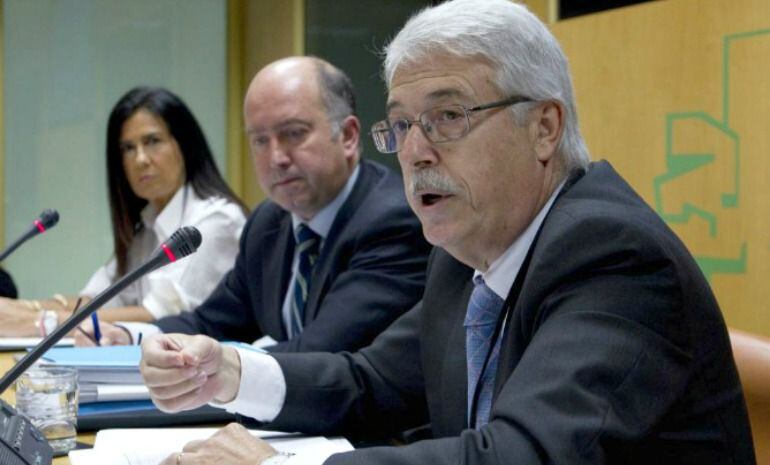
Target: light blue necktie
<point x="480" y="322"/>
<point x="307" y="254"/>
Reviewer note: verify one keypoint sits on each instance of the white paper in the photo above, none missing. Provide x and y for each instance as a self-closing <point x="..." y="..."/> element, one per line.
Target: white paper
<point x="118" y="446"/>
<point x="23" y="343"/>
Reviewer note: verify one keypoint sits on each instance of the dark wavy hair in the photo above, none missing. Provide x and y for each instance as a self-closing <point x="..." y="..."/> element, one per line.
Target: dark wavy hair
<point x="201" y="171"/>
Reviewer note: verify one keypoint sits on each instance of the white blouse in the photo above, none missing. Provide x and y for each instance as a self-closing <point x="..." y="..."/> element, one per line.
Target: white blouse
<point x="182" y="285"/>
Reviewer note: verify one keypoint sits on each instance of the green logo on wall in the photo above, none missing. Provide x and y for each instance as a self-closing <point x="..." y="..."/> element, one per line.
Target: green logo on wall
<point x="690" y="141"/>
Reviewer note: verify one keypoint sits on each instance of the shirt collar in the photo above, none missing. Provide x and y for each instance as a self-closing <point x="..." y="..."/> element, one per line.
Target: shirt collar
<point x="321" y="223"/>
<point x="170" y="218"/>
<point x="502" y="272"/>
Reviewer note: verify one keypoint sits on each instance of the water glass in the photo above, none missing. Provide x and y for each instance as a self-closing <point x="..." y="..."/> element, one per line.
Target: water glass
<point x="48" y="396"/>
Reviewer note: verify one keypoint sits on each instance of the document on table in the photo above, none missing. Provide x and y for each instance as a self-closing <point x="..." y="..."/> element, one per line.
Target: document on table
<point x="119" y="446"/>
<point x="111" y="365"/>
<point x="8" y="344"/>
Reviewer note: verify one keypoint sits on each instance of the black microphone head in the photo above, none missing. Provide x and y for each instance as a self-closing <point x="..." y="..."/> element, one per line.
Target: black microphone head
<point x="49" y="218"/>
<point x="184" y="241"/>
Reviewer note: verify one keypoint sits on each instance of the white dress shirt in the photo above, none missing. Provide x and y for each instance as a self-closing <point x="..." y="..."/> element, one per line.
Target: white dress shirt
<point x="320" y="224"/>
<point x="503" y="271"/>
<point x="184" y="284"/>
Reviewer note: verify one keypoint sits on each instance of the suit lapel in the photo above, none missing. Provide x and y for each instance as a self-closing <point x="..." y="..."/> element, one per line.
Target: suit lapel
<point x="447" y="292"/>
<point x="325" y="270"/>
<point x="278" y="250"/>
<point x="509" y="354"/>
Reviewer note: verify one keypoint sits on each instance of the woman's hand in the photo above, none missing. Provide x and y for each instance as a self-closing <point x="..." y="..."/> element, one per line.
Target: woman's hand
<point x="17" y="318"/>
<point x="111" y="335"/>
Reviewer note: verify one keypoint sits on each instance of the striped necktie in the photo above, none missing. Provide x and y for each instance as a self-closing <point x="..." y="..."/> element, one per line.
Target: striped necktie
<point x="480" y="322"/>
<point x="307" y="253"/>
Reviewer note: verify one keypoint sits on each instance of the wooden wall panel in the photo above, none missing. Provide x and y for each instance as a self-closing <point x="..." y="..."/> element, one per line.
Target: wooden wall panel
<point x="676" y="95"/>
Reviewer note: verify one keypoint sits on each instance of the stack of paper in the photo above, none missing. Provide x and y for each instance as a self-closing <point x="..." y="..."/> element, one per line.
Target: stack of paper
<point x="108" y="373"/>
<point x="12" y="344"/>
<point x="104" y="373"/>
<point x="119" y="446"/>
<point x="112" y="393"/>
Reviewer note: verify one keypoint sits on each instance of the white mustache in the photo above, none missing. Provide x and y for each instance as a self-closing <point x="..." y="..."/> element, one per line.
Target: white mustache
<point x="429" y="179"/>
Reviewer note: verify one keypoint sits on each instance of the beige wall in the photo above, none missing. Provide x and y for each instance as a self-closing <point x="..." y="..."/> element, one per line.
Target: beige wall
<point x="546" y="10"/>
<point x="259" y="31"/>
<point x="676" y="94"/>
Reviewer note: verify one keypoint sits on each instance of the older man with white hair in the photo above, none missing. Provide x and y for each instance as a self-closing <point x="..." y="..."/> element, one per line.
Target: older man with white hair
<point x="562" y="321"/>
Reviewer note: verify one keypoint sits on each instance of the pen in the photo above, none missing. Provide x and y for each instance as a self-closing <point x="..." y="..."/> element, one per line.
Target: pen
<point x="74" y="310"/>
<point x="97" y="330"/>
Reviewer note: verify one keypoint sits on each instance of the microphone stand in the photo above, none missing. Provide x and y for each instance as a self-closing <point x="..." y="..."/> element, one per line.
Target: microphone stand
<point x="9" y="250"/>
<point x="47" y="220"/>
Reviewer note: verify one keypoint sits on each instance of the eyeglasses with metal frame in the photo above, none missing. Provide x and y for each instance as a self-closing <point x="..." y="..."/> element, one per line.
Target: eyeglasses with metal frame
<point x="440" y="124"/>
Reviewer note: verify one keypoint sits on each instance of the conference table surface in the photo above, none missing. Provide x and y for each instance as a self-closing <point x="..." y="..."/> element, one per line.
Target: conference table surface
<point x="6" y="362"/>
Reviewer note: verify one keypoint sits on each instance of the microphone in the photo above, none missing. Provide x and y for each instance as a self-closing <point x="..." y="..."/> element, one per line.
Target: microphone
<point x="45" y="221"/>
<point x="183" y="242"/>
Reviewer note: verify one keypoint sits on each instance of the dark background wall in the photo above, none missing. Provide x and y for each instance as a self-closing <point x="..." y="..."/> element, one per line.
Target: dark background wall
<point x="572" y="8"/>
<point x="350" y="33"/>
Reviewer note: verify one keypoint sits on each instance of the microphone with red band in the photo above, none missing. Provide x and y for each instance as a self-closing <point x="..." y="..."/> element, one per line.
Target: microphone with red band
<point x="47" y="220"/>
<point x="183" y="242"/>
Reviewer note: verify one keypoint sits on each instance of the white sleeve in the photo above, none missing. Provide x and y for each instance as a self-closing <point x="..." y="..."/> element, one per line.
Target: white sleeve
<point x="262" y="390"/>
<point x="183" y="285"/>
<point x="101" y="280"/>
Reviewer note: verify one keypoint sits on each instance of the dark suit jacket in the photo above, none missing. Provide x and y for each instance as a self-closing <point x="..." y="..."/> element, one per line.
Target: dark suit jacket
<point x="370" y="270"/>
<point x="614" y="351"/>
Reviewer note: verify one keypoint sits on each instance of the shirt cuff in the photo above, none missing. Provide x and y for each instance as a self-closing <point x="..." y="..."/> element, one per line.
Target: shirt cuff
<point x="139" y="331"/>
<point x="262" y="389"/>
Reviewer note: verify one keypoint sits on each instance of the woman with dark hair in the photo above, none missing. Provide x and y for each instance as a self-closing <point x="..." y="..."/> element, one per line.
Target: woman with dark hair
<point x="160" y="176"/>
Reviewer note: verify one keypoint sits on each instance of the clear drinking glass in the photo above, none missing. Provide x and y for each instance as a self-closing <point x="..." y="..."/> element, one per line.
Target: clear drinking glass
<point x="48" y="396"/>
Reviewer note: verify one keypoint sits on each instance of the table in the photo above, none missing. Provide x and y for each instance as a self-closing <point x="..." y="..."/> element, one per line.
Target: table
<point x="6" y="362"/>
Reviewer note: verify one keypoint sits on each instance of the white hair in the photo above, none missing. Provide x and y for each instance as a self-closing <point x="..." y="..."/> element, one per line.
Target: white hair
<point x="527" y="57"/>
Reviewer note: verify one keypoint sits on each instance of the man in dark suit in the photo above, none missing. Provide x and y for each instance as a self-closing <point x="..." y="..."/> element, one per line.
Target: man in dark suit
<point x="562" y="321"/>
<point x="370" y="256"/>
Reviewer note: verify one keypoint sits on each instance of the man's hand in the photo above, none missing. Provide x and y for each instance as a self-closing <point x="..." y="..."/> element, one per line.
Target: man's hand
<point x="17" y="319"/>
<point x="231" y="445"/>
<point x="184" y="372"/>
<point x="111" y="335"/>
